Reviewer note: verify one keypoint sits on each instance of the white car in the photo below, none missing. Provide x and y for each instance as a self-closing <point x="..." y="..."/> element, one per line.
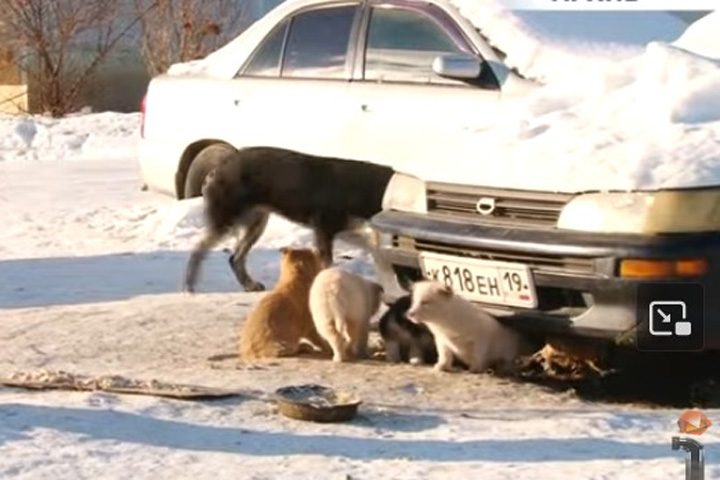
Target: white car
<point x="318" y="76"/>
<point x="399" y="81"/>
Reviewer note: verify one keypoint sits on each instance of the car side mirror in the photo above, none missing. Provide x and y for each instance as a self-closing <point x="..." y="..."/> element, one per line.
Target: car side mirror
<point x="457" y="66"/>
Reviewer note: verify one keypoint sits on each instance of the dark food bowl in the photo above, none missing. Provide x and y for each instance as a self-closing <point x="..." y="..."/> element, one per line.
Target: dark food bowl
<point x="316" y="403"/>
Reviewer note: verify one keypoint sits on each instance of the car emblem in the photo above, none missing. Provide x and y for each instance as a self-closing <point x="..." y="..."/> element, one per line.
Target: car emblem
<point x="485" y="206"/>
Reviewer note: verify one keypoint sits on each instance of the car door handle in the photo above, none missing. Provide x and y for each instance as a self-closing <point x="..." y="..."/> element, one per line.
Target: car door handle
<point x="236" y="102"/>
<point x="365" y="107"/>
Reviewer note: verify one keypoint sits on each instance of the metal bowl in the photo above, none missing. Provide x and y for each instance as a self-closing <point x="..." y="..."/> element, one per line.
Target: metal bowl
<point x="316" y="403"/>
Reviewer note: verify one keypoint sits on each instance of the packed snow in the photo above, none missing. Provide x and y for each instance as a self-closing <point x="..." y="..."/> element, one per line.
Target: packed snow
<point x="91" y="268"/>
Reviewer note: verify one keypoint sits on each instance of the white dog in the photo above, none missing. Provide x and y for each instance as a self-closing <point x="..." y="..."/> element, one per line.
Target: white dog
<point x="342" y="304"/>
<point x="463" y="329"/>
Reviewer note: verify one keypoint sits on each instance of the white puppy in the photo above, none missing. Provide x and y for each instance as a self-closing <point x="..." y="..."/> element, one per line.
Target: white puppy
<point x="463" y="329"/>
<point x="342" y="304"/>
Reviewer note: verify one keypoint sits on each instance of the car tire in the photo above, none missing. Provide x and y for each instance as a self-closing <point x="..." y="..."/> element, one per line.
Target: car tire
<point x="204" y="163"/>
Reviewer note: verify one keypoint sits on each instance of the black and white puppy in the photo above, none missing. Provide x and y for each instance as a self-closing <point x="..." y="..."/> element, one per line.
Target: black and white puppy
<point x="406" y="341"/>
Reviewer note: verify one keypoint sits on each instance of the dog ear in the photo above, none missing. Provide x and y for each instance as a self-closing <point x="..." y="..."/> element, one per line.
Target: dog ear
<point x="446" y="290"/>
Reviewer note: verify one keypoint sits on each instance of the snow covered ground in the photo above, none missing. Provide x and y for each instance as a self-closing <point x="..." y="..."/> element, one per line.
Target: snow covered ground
<point x="90" y="272"/>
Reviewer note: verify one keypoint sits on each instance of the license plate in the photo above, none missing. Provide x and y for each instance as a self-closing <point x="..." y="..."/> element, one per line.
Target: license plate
<point x="483" y="281"/>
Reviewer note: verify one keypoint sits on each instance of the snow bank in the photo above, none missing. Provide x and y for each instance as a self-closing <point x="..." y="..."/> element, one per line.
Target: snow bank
<point x="543" y="44"/>
<point x="655" y="126"/>
<point x="606" y="116"/>
<point x="81" y="136"/>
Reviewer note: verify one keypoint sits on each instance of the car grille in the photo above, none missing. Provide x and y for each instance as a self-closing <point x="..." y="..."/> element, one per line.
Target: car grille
<point x="512" y="207"/>
<point x="537" y="261"/>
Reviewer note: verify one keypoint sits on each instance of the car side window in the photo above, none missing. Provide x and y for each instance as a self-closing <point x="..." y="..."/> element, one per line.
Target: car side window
<point x="317" y="44"/>
<point x="402" y="44"/>
<point x="265" y="62"/>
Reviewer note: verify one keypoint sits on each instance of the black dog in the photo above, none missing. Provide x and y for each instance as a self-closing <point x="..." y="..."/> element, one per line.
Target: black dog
<point x="406" y="341"/>
<point x="329" y="195"/>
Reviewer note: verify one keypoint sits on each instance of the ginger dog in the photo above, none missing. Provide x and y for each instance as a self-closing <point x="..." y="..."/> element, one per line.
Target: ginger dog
<point x="281" y="319"/>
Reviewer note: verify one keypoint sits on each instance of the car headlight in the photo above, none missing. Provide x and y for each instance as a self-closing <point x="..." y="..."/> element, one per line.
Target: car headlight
<point x="405" y="193"/>
<point x="643" y="212"/>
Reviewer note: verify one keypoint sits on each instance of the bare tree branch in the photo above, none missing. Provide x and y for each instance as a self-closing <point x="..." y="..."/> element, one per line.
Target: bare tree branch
<point x="183" y="30"/>
<point x="53" y="43"/>
<point x="107" y="44"/>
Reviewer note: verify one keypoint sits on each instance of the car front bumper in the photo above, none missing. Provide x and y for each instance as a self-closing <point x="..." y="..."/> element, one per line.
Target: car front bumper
<point x="576" y="274"/>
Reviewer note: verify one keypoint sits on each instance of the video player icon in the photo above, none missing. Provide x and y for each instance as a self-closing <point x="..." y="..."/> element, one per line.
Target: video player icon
<point x="666" y="314"/>
<point x="670" y="317"/>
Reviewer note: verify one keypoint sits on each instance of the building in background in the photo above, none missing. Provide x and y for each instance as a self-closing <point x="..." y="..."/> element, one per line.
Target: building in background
<point x="13" y="84"/>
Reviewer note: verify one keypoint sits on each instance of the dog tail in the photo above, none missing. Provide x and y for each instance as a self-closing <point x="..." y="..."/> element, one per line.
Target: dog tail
<point x="223" y="205"/>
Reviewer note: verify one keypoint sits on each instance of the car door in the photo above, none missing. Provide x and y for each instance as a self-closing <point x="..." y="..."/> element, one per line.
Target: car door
<point x="409" y="113"/>
<point x="292" y="92"/>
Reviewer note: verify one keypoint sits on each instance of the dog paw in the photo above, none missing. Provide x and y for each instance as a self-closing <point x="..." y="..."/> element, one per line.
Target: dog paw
<point x="255" y="287"/>
<point x="441" y="367"/>
<point x="416" y="361"/>
<point x="360" y="354"/>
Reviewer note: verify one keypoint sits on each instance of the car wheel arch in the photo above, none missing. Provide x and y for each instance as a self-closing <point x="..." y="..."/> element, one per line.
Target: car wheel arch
<point x="190" y="153"/>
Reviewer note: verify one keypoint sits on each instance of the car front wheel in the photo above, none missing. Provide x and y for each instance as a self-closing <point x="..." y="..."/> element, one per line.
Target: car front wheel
<point x="204" y="163"/>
